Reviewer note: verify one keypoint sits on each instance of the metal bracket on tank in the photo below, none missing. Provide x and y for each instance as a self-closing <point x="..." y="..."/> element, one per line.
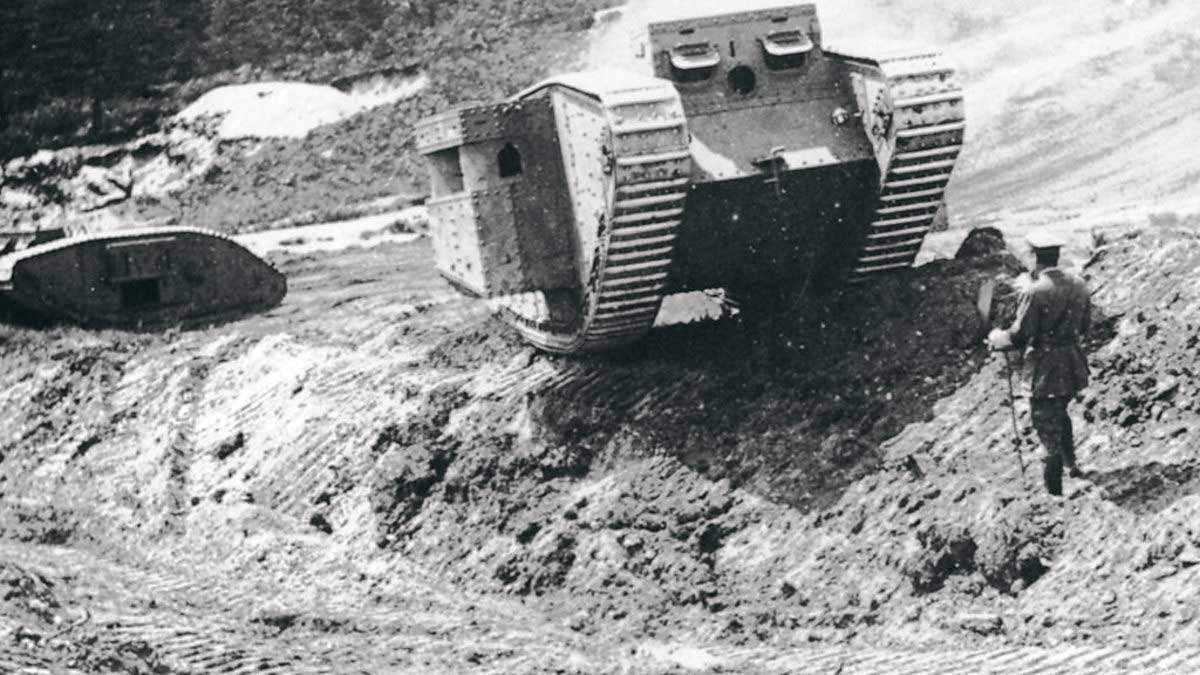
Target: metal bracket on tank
<point x="841" y="116"/>
<point x="773" y="160"/>
<point x="780" y="158"/>
<point x="883" y="115"/>
<point x="139" y="259"/>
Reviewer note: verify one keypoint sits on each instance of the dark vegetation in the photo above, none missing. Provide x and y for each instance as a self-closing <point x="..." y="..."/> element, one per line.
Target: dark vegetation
<point x="73" y="70"/>
<point x="470" y="50"/>
<point x="79" y="71"/>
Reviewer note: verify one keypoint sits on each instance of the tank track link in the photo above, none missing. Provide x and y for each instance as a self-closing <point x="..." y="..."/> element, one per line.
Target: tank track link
<point x="650" y="165"/>
<point x="927" y="122"/>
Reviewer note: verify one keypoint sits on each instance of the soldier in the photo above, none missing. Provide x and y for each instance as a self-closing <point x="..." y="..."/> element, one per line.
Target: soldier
<point x="1052" y="317"/>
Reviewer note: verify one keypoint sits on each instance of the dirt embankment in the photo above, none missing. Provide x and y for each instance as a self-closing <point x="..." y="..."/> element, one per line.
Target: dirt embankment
<point x="848" y="476"/>
<point x="378" y="458"/>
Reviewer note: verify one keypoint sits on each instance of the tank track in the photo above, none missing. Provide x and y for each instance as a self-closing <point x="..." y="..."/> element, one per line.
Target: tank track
<point x="650" y="164"/>
<point x="926" y="135"/>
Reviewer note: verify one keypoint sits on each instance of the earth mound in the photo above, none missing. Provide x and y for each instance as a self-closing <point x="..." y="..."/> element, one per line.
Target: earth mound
<point x="840" y="470"/>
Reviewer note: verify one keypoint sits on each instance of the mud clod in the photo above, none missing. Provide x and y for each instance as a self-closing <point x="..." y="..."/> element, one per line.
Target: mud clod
<point x="939" y="555"/>
<point x="981" y="242"/>
<point x="230" y="445"/>
<point x="405" y="477"/>
<point x="321" y="523"/>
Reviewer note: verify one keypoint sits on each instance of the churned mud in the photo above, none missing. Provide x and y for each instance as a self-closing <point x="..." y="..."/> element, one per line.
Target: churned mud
<point x="377" y="473"/>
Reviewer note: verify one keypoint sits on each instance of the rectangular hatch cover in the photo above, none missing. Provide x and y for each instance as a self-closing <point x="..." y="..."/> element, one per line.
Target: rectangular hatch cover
<point x="139" y="260"/>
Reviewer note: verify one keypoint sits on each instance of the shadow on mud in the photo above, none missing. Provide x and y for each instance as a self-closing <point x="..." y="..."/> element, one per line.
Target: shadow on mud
<point x="791" y="402"/>
<point x="16" y="317"/>
<point x="794" y="403"/>
<point x="1149" y="488"/>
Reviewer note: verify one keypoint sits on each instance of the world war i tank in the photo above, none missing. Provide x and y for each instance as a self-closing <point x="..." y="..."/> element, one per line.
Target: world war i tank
<point x="755" y="157"/>
<point x="135" y="278"/>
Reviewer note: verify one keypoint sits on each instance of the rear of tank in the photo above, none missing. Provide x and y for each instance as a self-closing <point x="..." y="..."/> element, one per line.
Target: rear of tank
<point x="784" y="176"/>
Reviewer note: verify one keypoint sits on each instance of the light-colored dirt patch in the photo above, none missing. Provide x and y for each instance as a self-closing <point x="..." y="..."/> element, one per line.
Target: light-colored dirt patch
<point x="395" y="227"/>
<point x="287" y="109"/>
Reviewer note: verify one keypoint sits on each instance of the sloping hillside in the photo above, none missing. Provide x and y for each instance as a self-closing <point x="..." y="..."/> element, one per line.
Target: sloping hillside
<point x="1074" y="108"/>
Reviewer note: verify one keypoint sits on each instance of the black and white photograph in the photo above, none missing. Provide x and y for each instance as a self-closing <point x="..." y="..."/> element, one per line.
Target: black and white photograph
<point x="830" y="337"/>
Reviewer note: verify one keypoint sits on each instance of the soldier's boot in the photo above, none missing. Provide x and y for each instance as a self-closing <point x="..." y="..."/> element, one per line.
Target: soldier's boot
<point x="1052" y="472"/>
<point x="1068" y="447"/>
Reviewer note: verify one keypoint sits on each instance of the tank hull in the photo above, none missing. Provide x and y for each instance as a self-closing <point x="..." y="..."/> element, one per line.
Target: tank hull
<point x="140" y="279"/>
<point x="755" y="157"/>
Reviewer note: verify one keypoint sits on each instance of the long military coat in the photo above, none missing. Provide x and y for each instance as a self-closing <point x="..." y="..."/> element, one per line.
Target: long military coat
<point x="1053" y="315"/>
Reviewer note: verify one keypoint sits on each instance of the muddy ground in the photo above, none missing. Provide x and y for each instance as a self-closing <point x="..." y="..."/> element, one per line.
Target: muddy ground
<point x="378" y="474"/>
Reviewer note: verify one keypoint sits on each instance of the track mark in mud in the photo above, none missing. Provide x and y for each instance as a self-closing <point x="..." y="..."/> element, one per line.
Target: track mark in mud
<point x="83" y="374"/>
<point x="181" y="447"/>
<point x="347" y="301"/>
<point x="87" y="444"/>
<point x="206" y="621"/>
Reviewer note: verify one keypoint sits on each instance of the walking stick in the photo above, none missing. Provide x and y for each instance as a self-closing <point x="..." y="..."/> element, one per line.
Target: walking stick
<point x="1012" y="410"/>
<point x="983" y="303"/>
